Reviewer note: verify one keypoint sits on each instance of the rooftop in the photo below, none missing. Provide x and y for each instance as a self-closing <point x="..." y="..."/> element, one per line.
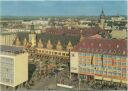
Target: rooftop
<point x="103" y="46"/>
<point x="11" y="49"/>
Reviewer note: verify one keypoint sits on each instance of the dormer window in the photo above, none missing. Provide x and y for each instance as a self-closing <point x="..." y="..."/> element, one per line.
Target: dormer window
<point x="99" y="44"/>
<point x="117" y="46"/>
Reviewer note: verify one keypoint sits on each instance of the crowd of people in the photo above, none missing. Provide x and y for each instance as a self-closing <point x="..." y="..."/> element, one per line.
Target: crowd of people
<point x="44" y="70"/>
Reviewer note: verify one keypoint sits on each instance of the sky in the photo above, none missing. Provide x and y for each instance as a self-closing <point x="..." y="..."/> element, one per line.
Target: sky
<point x="62" y="8"/>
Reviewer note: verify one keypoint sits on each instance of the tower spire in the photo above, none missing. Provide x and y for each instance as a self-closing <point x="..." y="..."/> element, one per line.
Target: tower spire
<point x="102" y="20"/>
<point x="102" y="15"/>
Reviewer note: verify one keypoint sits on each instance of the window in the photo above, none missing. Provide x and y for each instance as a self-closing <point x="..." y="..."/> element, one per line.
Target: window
<point x="127" y="63"/>
<point x="114" y="68"/>
<point x="118" y="58"/>
<point x="49" y="52"/>
<point x="119" y="63"/>
<point x="63" y="54"/>
<point x="110" y="73"/>
<point x="72" y="54"/>
<point x="118" y="74"/>
<point x="123" y="75"/>
<point x="114" y="74"/>
<point x="123" y="58"/>
<point x="6" y="69"/>
<point x="109" y="62"/>
<point x="42" y="51"/>
<point x="124" y="70"/>
<point x="92" y="71"/>
<point x="96" y="55"/>
<point x="67" y="54"/>
<point x="119" y="69"/>
<point x="123" y="63"/>
<point x="104" y="72"/>
<point x="59" y="53"/>
<point x="101" y="72"/>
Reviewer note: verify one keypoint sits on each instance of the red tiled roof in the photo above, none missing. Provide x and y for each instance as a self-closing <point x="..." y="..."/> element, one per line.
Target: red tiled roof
<point x="103" y="46"/>
<point x="85" y="32"/>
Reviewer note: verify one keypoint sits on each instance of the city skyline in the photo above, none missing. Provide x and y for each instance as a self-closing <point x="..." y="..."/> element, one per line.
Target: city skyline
<point x="62" y="8"/>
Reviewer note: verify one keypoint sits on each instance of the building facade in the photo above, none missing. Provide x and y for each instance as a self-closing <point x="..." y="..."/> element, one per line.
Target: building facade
<point x="7" y="38"/>
<point x="52" y="52"/>
<point x="13" y="66"/>
<point x="101" y="59"/>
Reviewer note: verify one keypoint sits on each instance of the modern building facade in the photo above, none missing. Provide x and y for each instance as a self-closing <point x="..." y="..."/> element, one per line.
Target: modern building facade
<point x="101" y="59"/>
<point x="13" y="65"/>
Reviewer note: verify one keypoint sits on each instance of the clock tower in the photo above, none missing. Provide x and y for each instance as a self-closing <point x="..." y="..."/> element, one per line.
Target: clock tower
<point x="32" y="36"/>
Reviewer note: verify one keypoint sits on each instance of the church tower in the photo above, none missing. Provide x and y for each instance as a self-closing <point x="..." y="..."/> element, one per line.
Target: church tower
<point x="102" y="20"/>
<point x="32" y="36"/>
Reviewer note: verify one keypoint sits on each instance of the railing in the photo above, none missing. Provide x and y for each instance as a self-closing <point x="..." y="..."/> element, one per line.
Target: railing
<point x="52" y="52"/>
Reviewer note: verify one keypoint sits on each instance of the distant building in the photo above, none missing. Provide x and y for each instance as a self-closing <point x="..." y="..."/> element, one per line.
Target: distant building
<point x="101" y="59"/>
<point x="59" y="39"/>
<point x="119" y="34"/>
<point x="13" y="65"/>
<point x="7" y="38"/>
<point x="117" y="18"/>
